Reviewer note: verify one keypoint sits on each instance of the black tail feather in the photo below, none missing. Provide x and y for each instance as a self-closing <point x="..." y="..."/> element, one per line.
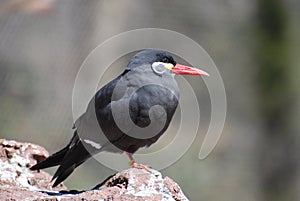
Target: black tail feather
<point x="75" y="157"/>
<point x="53" y="160"/>
<point x="56" y="158"/>
<point x="68" y="158"/>
<point x="63" y="176"/>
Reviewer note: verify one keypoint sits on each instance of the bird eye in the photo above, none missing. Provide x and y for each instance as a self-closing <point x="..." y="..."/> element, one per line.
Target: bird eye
<point x="158" y="67"/>
<point x="165" y="60"/>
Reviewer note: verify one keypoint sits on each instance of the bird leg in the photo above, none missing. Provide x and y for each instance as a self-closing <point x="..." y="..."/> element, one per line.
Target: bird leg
<point x="133" y="164"/>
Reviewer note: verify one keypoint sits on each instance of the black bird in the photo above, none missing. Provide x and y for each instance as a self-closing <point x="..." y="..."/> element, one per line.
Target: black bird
<point x="123" y="115"/>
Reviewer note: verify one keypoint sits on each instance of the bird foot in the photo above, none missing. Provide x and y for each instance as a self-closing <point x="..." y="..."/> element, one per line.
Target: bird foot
<point x="133" y="164"/>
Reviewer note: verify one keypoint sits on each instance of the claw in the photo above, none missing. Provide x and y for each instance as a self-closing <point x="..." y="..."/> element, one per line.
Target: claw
<point x="133" y="164"/>
<point x="140" y="166"/>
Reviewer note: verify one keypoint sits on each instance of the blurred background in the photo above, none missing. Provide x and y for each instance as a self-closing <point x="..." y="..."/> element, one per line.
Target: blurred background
<point x="255" y="45"/>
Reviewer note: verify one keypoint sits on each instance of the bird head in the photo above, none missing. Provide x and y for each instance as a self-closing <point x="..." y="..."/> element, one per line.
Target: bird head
<point x="161" y="61"/>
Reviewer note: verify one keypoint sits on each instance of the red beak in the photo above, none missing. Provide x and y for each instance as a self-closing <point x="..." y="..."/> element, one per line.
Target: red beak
<point x="181" y="69"/>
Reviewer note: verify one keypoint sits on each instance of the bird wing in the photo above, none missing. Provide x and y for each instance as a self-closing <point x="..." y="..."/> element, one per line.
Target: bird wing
<point x="88" y="125"/>
<point x="125" y="118"/>
<point x="85" y="141"/>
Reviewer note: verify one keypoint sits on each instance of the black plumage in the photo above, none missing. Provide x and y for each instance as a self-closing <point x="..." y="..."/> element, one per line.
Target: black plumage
<point x="105" y="126"/>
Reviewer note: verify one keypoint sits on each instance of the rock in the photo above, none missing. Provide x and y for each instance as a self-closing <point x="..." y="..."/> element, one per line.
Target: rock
<point x="17" y="182"/>
<point x="138" y="184"/>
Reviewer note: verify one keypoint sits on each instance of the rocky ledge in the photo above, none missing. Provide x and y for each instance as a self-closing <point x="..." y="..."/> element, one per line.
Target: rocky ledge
<point x="17" y="182"/>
